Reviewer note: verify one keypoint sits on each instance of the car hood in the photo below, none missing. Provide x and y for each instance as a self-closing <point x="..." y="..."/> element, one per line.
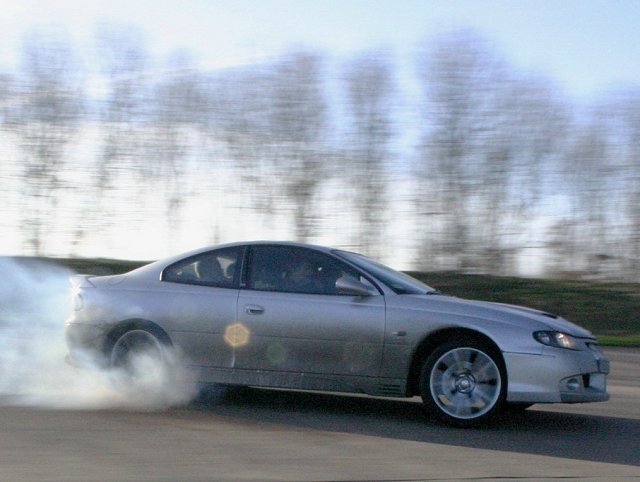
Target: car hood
<point x="554" y="322"/>
<point x="504" y="313"/>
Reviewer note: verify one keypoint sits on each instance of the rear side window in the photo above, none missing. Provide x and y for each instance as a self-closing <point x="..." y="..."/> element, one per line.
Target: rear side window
<point x="218" y="268"/>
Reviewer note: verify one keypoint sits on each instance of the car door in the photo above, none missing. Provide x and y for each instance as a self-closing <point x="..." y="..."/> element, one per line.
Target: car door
<point x="296" y="321"/>
<point x="200" y="303"/>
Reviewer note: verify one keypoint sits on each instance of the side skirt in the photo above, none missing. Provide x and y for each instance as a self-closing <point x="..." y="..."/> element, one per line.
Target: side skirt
<point x="381" y="387"/>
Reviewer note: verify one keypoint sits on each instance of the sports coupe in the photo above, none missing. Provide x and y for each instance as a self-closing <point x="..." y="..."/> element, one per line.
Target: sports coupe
<point x="298" y="316"/>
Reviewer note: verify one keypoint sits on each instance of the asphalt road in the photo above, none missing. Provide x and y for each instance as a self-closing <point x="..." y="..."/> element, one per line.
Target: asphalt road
<point x="253" y="434"/>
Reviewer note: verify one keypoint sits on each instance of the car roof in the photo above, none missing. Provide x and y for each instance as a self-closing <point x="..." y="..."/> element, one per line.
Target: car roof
<point x="212" y="247"/>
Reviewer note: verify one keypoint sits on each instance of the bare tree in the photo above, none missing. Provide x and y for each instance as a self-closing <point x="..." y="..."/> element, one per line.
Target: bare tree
<point x="7" y="195"/>
<point x="489" y="133"/>
<point x="627" y="115"/>
<point x="297" y="120"/>
<point x="239" y="101"/>
<point x="174" y="123"/>
<point x="369" y="88"/>
<point x="275" y="126"/>
<point x="6" y="86"/>
<point x="592" y="184"/>
<point x="44" y="113"/>
<point x="121" y="114"/>
<point x="459" y="76"/>
<point x="124" y="110"/>
<point x="525" y="137"/>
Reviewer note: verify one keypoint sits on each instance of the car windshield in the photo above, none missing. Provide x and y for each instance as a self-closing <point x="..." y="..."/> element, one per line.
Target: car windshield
<point x="400" y="283"/>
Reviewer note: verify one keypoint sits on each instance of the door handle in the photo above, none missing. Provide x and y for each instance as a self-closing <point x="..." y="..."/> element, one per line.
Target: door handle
<point x="253" y="309"/>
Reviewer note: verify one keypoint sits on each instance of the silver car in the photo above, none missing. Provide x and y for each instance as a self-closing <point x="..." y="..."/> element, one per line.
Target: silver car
<point x="307" y="317"/>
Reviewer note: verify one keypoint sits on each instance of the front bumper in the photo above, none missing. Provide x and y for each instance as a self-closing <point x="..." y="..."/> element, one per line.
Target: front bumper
<point x="591" y="387"/>
<point x="557" y="376"/>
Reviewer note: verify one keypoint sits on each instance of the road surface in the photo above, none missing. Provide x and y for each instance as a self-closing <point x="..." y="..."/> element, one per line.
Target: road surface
<point x="252" y="434"/>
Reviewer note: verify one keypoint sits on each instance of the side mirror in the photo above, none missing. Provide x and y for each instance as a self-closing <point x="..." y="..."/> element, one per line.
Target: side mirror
<point x="348" y="285"/>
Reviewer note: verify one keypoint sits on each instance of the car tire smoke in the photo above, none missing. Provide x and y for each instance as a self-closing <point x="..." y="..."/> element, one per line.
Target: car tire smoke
<point x="34" y="301"/>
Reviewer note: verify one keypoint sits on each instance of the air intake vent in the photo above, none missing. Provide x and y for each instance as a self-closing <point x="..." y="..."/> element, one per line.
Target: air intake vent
<point x="390" y="390"/>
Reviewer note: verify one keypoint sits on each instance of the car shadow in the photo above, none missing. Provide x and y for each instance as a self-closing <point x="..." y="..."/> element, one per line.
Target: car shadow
<point x="556" y="434"/>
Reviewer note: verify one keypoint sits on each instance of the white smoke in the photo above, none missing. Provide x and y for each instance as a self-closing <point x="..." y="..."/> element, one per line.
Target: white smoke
<point x="34" y="302"/>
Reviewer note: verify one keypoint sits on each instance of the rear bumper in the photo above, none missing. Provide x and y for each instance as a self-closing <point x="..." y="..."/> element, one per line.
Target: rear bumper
<point x="85" y="343"/>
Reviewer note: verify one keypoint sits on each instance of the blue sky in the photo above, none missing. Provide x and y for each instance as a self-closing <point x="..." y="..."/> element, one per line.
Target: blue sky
<point x="586" y="46"/>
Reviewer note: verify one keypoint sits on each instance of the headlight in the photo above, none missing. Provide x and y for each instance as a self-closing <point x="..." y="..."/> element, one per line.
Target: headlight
<point x="556" y="339"/>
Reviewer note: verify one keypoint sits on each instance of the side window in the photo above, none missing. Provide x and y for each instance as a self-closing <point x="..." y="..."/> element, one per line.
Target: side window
<point x="218" y="268"/>
<point x="295" y="270"/>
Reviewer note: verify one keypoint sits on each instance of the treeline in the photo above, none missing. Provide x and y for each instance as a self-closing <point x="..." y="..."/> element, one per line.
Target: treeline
<point x="480" y="165"/>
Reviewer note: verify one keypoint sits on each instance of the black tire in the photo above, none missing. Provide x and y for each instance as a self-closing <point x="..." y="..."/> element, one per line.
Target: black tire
<point x="464" y="383"/>
<point x="147" y="371"/>
<point x="132" y="344"/>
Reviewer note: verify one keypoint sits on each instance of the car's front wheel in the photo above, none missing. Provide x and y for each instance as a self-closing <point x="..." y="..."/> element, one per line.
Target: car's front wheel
<point x="463" y="382"/>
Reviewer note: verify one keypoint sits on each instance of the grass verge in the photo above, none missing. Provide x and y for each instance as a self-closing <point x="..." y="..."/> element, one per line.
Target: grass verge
<point x="620" y="340"/>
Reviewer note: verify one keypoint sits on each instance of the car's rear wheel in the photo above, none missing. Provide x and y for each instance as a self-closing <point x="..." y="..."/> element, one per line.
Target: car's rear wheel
<point x="132" y="346"/>
<point x="463" y="382"/>
<point x="147" y="371"/>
